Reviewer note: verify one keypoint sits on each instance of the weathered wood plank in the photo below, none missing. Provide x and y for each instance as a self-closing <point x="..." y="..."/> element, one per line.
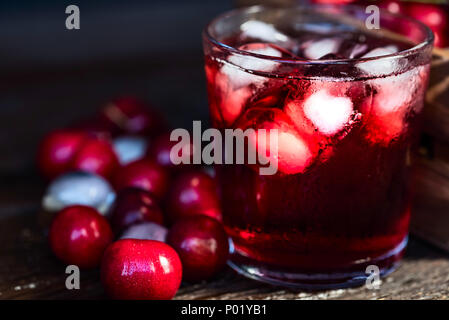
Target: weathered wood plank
<point x="28" y="270"/>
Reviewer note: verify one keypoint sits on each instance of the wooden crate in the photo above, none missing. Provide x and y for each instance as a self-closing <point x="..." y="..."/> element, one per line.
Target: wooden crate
<point x="430" y="214"/>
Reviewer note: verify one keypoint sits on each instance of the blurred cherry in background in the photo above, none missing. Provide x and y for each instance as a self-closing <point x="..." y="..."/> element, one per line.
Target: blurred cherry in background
<point x="434" y="13"/>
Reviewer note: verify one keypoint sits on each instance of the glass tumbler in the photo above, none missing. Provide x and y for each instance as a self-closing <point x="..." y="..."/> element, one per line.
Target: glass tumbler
<point x="345" y="100"/>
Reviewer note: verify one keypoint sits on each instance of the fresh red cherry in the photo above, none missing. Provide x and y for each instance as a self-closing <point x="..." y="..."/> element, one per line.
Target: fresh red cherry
<point x="193" y="193"/>
<point x="430" y="14"/>
<point x="435" y="17"/>
<point x="96" y="156"/>
<point x="131" y="115"/>
<point x="160" y="152"/>
<point x="57" y="150"/>
<point x="141" y="270"/>
<point x="132" y="206"/>
<point x="144" y="174"/>
<point x="202" y="245"/>
<point x="79" y="235"/>
<point x="393" y="6"/>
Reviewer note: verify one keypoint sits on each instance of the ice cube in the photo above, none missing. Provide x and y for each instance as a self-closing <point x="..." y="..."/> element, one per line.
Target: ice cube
<point x="215" y="94"/>
<point x="231" y="99"/>
<point x="383" y="129"/>
<point x="236" y="85"/>
<point x="239" y="77"/>
<point x="294" y="109"/>
<point x="317" y="49"/>
<point x="262" y="31"/>
<point x="233" y="103"/>
<point x="382" y="51"/>
<point x="253" y="63"/>
<point x="291" y="152"/>
<point x="328" y="113"/>
<point x="395" y="92"/>
<point x="357" y="50"/>
<point x="381" y="66"/>
<point x="394" y="98"/>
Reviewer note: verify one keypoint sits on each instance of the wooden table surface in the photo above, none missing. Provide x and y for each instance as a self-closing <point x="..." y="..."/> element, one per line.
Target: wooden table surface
<point x="28" y="270"/>
<point x="33" y="103"/>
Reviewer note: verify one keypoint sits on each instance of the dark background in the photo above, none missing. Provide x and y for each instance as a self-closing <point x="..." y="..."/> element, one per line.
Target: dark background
<point x="50" y="76"/>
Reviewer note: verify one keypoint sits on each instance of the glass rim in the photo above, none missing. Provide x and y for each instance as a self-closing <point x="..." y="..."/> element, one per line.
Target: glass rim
<point x="427" y="32"/>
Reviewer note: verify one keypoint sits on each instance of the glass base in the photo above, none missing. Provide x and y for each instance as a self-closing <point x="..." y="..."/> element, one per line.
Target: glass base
<point x="386" y="263"/>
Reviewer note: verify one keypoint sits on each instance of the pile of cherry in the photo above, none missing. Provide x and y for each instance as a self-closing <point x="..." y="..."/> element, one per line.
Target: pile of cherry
<point x="118" y="203"/>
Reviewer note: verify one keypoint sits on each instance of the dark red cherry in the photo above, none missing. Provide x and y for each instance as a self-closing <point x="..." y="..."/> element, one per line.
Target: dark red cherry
<point x="79" y="235"/>
<point x="144" y="174"/>
<point x="202" y="245"/>
<point x="160" y="152"/>
<point x="131" y="115"/>
<point x="435" y="17"/>
<point x="193" y="193"/>
<point x="96" y="156"/>
<point x="394" y="6"/>
<point x="57" y="150"/>
<point x="132" y="206"/>
<point x="141" y="270"/>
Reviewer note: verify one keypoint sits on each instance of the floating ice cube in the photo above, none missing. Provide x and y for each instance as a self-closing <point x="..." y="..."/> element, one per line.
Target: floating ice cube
<point x="283" y="145"/>
<point x="395" y="92"/>
<point x="382" y="51"/>
<point x="322" y="47"/>
<point x="394" y="98"/>
<point x="357" y="50"/>
<point x="233" y="102"/>
<point x="265" y="49"/>
<point x="234" y="83"/>
<point x="383" y="129"/>
<point x="380" y="66"/>
<point x="327" y="112"/>
<point x="294" y="109"/>
<point x="293" y="153"/>
<point x="262" y="31"/>
<point x="129" y="148"/>
<point x="239" y="77"/>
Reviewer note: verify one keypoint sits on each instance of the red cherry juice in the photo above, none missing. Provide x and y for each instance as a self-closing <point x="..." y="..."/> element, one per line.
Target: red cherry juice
<point x="339" y="200"/>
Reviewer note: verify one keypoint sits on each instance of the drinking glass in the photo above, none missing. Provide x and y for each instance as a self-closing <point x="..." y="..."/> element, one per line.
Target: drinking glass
<point x="345" y="100"/>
